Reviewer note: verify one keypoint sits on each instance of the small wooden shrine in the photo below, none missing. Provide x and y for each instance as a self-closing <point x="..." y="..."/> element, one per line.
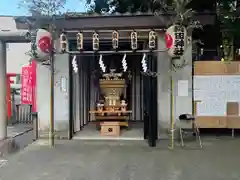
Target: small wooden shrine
<point x="113" y="106"/>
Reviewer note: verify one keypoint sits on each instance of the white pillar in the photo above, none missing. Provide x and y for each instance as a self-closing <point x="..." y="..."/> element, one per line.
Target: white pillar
<point x="3" y="80"/>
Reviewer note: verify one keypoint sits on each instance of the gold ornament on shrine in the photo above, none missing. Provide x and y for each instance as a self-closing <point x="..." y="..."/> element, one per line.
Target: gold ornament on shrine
<point x="112" y="87"/>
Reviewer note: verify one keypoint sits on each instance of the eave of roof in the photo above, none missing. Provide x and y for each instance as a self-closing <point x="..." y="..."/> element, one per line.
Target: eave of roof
<point x="84" y="21"/>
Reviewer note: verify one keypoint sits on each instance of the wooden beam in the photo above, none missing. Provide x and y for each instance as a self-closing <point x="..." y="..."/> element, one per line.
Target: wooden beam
<point x="114" y="52"/>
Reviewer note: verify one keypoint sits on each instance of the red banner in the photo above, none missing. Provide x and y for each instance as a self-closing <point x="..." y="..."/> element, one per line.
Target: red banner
<point x="28" y="82"/>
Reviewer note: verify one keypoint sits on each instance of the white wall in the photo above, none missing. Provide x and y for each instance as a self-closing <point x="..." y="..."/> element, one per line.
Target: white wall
<point x="16" y="57"/>
<point x="61" y="111"/>
<point x="182" y="104"/>
<point x="16" y="52"/>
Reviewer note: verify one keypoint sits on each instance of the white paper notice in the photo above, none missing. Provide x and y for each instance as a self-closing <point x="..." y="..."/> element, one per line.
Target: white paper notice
<point x="183" y="88"/>
<point x="214" y="92"/>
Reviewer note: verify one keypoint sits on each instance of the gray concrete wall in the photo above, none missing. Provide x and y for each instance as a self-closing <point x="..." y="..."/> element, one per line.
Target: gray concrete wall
<point x="61" y="110"/>
<point x="182" y="104"/>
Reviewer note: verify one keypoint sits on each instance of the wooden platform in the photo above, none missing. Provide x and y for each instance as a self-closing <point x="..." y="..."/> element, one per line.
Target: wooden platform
<point x="89" y="132"/>
<point x="123" y="118"/>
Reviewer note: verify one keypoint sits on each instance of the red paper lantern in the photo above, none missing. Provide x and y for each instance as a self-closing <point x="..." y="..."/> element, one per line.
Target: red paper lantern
<point x="168" y="40"/>
<point x="176" y="40"/>
<point x="44" y="44"/>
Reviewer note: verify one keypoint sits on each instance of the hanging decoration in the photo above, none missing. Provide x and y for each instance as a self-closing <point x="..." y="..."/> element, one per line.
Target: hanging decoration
<point x="115" y="39"/>
<point x="74" y="64"/>
<point x="152" y="40"/>
<point x="95" y="41"/>
<point x="134" y="40"/>
<point x="176" y="40"/>
<point x="41" y="46"/>
<point x="80" y="41"/>
<point x="124" y="63"/>
<point x="102" y="66"/>
<point x="144" y="63"/>
<point x="63" y="43"/>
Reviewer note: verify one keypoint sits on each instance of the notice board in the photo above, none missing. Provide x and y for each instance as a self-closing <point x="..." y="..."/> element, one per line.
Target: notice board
<point x="214" y="92"/>
<point x="215" y="84"/>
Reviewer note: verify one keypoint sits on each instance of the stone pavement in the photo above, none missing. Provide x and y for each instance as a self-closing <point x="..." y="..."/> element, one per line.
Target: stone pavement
<point x="117" y="160"/>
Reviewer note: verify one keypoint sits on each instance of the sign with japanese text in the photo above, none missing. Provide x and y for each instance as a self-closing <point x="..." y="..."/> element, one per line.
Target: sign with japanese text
<point x="28" y="82"/>
<point x="176" y="38"/>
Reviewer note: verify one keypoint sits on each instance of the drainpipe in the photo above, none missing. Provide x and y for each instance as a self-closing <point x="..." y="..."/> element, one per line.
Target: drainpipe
<point x="172" y="106"/>
<point x="51" y="58"/>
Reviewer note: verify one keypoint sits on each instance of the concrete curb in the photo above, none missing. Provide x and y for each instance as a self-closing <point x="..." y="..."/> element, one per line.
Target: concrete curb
<point x="11" y="144"/>
<point x="57" y="135"/>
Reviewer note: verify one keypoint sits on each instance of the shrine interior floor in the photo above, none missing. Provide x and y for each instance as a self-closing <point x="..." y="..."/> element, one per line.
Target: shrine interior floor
<point x="89" y="132"/>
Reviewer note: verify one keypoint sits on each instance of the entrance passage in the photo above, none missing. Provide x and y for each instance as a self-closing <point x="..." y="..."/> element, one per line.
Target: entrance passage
<point x="111" y="102"/>
<point x="113" y="96"/>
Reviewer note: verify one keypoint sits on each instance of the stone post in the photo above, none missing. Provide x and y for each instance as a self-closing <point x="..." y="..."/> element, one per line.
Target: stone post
<point x="3" y="102"/>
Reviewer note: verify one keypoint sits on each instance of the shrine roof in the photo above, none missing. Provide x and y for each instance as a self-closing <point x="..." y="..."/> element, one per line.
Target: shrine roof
<point x="94" y="21"/>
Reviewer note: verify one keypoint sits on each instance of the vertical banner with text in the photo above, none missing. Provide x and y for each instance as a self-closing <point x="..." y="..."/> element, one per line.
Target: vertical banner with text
<point x="28" y="82"/>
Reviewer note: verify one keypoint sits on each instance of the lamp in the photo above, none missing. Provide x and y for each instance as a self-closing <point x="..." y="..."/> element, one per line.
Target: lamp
<point x="95" y="41"/>
<point x="115" y="38"/>
<point x="152" y="39"/>
<point x="134" y="40"/>
<point x="80" y="41"/>
<point x="63" y="43"/>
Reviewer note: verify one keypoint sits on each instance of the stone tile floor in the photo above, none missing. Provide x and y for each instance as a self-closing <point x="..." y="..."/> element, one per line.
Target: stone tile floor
<point x="124" y="160"/>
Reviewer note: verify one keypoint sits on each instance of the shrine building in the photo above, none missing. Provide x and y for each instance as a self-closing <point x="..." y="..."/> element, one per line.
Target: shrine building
<point x="112" y="77"/>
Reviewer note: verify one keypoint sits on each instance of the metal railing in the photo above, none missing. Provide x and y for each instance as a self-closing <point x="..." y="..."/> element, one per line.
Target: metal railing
<point x="23" y="114"/>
